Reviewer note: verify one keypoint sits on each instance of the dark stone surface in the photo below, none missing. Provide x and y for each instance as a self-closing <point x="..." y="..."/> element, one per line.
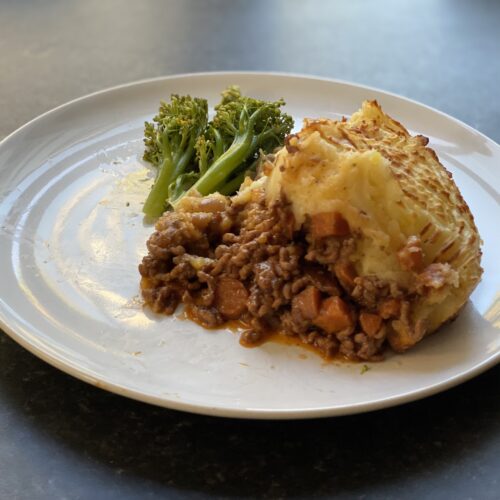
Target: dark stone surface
<point x="60" y="438"/>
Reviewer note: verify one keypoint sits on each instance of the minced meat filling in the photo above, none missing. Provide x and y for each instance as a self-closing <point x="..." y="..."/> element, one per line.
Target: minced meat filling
<point x="226" y="261"/>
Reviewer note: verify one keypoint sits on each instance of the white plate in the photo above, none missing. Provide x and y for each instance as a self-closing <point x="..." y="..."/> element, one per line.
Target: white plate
<point x="72" y="235"/>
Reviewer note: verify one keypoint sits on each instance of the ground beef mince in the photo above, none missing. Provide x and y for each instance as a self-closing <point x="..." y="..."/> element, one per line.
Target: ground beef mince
<point x="229" y="261"/>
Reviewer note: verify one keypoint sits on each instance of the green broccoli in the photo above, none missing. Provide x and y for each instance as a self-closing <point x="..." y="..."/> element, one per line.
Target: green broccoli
<point x="242" y="127"/>
<point x="190" y="153"/>
<point x="170" y="146"/>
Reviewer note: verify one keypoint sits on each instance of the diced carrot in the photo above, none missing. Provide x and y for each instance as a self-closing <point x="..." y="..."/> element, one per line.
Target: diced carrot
<point x="329" y="224"/>
<point x="370" y="323"/>
<point x="231" y="298"/>
<point x="345" y="273"/>
<point x="390" y="308"/>
<point x="307" y="302"/>
<point x="334" y="315"/>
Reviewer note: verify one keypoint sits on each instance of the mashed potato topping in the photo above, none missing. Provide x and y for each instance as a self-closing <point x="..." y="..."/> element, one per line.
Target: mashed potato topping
<point x="390" y="188"/>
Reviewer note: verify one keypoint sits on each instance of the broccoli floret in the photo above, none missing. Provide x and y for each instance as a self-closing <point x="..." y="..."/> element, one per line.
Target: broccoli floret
<point x="170" y="146"/>
<point x="242" y="127"/>
<point x="190" y="153"/>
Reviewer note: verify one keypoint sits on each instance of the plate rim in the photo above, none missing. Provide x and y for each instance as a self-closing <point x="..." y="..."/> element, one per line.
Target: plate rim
<point x="83" y="375"/>
<point x="305" y="76"/>
<point x="36" y="347"/>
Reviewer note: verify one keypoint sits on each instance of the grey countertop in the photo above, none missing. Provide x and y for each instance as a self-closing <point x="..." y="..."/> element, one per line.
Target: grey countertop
<point x="60" y="438"/>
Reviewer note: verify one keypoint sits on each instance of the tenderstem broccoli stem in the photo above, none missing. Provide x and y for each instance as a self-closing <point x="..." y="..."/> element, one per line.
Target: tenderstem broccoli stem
<point x="218" y="144"/>
<point x="233" y="185"/>
<point x="155" y="202"/>
<point x="222" y="168"/>
<point x="238" y="152"/>
<point x="168" y="171"/>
